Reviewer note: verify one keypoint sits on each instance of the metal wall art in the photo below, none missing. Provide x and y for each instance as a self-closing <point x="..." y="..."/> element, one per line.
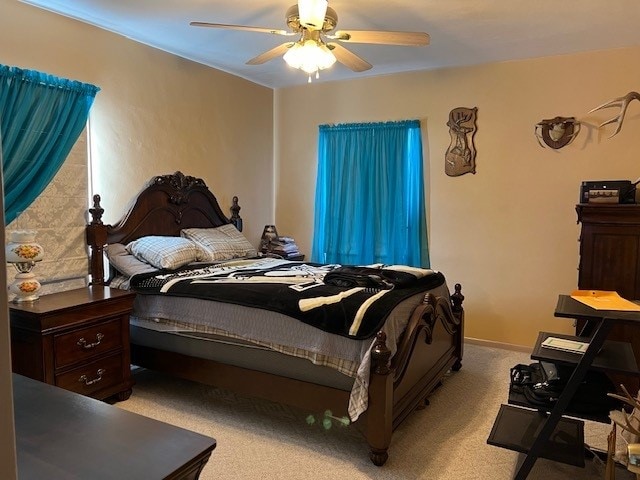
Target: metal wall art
<point x="622" y="103"/>
<point x="557" y="132"/>
<point x="460" y="157"/>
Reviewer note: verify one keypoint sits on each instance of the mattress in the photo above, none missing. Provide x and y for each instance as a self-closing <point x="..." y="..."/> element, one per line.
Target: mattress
<point x="266" y="341"/>
<point x="234" y="351"/>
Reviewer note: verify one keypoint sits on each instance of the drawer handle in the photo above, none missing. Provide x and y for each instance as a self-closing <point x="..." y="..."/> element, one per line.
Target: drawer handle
<point x="88" y="346"/>
<point x="88" y="382"/>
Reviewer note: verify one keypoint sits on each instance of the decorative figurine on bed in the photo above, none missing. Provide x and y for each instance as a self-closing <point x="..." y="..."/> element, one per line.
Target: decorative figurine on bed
<point x="236" y="219"/>
<point x="269" y="234"/>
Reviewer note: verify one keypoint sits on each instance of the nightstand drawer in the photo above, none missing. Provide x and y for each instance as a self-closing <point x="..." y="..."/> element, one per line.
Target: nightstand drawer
<point x="93" y="376"/>
<point x="83" y="343"/>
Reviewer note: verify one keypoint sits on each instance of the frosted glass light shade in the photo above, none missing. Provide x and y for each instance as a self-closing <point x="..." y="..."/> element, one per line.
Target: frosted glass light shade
<point x="311" y="13"/>
<point x="309" y="56"/>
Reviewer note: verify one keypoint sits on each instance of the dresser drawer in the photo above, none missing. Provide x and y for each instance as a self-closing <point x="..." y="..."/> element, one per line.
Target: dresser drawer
<point x="93" y="376"/>
<point x="81" y="344"/>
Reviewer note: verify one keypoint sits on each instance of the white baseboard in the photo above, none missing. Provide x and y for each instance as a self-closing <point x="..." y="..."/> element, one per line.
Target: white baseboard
<point x="492" y="344"/>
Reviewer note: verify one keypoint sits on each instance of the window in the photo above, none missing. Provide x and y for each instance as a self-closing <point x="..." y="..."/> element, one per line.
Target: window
<point x="370" y="205"/>
<point x="42" y="117"/>
<point x="59" y="214"/>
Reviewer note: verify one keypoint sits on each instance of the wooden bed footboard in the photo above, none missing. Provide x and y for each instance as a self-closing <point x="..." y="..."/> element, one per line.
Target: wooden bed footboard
<point x="431" y="345"/>
<point x="429" y="348"/>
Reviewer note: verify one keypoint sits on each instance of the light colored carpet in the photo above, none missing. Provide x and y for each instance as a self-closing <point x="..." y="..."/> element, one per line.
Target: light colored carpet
<point x="447" y="440"/>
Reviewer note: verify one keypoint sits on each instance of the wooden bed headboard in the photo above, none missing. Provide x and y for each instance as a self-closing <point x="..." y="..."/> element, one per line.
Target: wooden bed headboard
<point x="166" y="205"/>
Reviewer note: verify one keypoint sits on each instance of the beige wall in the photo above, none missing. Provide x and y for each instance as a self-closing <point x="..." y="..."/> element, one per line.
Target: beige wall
<point x="508" y="233"/>
<point x="156" y="113"/>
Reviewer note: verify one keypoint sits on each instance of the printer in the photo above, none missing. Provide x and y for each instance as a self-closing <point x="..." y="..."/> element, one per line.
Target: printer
<point x="608" y="191"/>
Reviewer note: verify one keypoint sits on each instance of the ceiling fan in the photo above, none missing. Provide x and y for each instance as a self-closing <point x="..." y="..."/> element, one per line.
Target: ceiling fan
<point x="317" y="45"/>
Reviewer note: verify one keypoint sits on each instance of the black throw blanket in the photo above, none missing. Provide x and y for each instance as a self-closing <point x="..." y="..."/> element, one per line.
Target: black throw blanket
<point x="349" y="301"/>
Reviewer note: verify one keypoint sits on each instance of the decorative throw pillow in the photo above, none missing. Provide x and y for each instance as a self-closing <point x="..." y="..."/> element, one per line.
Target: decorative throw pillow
<point x="220" y="243"/>
<point x="165" y="252"/>
<point x="126" y="263"/>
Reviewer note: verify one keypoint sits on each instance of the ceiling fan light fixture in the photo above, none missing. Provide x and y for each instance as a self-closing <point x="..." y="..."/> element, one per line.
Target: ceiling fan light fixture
<point x="326" y="58"/>
<point x="313" y="22"/>
<point x="312" y="13"/>
<point x="309" y="56"/>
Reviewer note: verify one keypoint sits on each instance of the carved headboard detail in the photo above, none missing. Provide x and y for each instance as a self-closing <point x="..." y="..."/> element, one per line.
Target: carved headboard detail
<point x="166" y="205"/>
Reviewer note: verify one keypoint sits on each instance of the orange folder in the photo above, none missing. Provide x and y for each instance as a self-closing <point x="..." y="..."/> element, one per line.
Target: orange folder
<point x="604" y="300"/>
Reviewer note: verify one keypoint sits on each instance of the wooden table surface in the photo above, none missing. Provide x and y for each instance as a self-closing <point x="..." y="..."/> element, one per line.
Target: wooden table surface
<point x="64" y="435"/>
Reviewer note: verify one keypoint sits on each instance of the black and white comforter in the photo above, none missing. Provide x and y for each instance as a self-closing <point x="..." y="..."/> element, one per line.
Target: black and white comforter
<point x="349" y="301"/>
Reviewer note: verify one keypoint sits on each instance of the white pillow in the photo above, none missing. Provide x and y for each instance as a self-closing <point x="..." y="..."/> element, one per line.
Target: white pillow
<point x="165" y="252"/>
<point x="126" y="263"/>
<point x="220" y="243"/>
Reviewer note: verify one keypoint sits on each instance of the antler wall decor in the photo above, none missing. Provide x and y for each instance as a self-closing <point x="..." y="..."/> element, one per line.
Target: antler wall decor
<point x="622" y="103"/>
<point x="557" y="132"/>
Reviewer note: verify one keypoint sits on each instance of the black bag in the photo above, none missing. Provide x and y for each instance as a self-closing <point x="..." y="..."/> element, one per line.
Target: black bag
<point x="384" y="278"/>
<point x="542" y="383"/>
<point x="350" y="277"/>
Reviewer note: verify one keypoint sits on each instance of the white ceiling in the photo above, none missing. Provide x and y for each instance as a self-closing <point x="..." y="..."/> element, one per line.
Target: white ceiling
<point x="463" y="32"/>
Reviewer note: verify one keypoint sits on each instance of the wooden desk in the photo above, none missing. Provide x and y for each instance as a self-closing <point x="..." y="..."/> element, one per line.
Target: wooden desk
<point x="557" y="434"/>
<point x="63" y="435"/>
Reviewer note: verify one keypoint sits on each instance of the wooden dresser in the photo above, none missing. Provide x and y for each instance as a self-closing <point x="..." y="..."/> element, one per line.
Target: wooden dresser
<point x="610" y="260"/>
<point x="62" y="435"/>
<point x="77" y="340"/>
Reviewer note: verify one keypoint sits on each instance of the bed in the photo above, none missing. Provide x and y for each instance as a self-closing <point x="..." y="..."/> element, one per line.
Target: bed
<point x="373" y="380"/>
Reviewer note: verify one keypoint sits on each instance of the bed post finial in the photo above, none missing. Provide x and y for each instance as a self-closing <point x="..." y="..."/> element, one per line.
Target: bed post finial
<point x="97" y="211"/>
<point x="380" y="354"/>
<point x="457" y="298"/>
<point x="235" y="214"/>
<point x="96" y="233"/>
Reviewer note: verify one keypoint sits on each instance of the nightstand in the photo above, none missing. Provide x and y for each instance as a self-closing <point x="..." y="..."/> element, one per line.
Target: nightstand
<point x="77" y="340"/>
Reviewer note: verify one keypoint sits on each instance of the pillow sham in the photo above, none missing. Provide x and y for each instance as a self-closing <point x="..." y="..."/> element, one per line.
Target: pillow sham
<point x="220" y="243"/>
<point x="126" y="263"/>
<point x="165" y="252"/>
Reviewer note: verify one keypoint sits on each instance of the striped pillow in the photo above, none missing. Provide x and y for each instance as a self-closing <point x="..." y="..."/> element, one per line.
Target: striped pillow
<point x="220" y="243"/>
<point x="165" y="252"/>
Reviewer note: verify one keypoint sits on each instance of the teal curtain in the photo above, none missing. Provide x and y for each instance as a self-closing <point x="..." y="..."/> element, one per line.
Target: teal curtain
<point x="370" y="205"/>
<point x="41" y="117"/>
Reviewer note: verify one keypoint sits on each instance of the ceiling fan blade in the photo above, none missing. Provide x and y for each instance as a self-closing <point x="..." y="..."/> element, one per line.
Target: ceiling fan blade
<point x="410" y="39"/>
<point x="348" y="58"/>
<point x="246" y="28"/>
<point x="270" y="54"/>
